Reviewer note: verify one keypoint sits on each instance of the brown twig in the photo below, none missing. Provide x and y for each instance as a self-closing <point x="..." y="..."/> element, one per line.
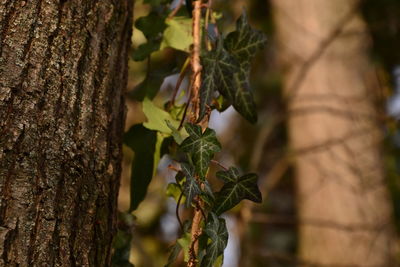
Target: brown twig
<point x="195" y="88"/>
<point x="177" y="211"/>
<point x="179" y="82"/>
<point x="195" y="60"/>
<point x="185" y="111"/>
<point x="219" y="164"/>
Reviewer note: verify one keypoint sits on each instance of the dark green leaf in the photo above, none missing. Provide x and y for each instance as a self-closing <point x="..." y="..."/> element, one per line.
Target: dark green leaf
<point x="143" y="142"/>
<point x="175" y="249"/>
<point x="235" y="189"/>
<point x="244" y="42"/>
<point x="151" y="25"/>
<point x="190" y="188"/>
<point x="200" y="146"/>
<point x="207" y="195"/>
<point x="219" y="67"/>
<point x="216" y="230"/>
<point x="144" y="50"/>
<point x="244" y="100"/>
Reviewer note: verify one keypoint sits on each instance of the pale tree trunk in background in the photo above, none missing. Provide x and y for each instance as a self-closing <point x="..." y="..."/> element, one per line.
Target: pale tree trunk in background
<point x="343" y="203"/>
<point x="63" y="72"/>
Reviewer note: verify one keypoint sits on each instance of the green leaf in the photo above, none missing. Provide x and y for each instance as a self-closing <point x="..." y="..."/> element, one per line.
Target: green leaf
<point x="200" y="146"/>
<point x="244" y="100"/>
<point x="178" y="34"/>
<point x="175" y="133"/>
<point x="174" y="252"/>
<point x="244" y="42"/>
<point x="151" y="25"/>
<point x="216" y="230"/>
<point x="157" y="118"/>
<point x="184" y="242"/>
<point x="235" y="189"/>
<point x="144" y="50"/>
<point x="143" y="142"/>
<point x="219" y="67"/>
<point x="190" y="188"/>
<point x="174" y="191"/>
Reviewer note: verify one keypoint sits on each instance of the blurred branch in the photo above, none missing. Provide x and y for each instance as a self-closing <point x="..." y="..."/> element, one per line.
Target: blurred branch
<point x="297" y="81"/>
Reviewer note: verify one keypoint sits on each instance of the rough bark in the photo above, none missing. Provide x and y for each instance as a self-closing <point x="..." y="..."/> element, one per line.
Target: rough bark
<point x="343" y="202"/>
<point x="63" y="72"/>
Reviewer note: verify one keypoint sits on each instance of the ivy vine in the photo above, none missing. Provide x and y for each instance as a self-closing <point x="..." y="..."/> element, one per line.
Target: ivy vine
<point x="181" y="130"/>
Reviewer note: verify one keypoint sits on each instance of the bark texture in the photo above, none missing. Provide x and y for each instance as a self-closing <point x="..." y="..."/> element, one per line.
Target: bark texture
<point x="343" y="203"/>
<point x="63" y="72"/>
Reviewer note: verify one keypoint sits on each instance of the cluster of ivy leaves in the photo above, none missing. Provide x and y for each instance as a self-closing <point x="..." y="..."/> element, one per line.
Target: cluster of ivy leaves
<point x="225" y="75"/>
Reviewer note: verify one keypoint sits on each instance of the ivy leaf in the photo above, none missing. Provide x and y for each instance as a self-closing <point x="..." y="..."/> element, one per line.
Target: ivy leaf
<point x="178" y="34"/>
<point x="174" y="252"/>
<point x="216" y="230"/>
<point x="144" y="50"/>
<point x="244" y="100"/>
<point x="174" y="191"/>
<point x="157" y="118"/>
<point x="219" y="67"/>
<point x="184" y="243"/>
<point x="200" y="146"/>
<point x="244" y="42"/>
<point x="152" y="27"/>
<point x="190" y="188"/>
<point x="143" y="142"/>
<point x="235" y="189"/>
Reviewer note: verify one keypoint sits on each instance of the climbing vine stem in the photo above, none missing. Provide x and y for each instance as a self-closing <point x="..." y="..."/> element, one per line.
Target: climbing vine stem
<point x="219" y="77"/>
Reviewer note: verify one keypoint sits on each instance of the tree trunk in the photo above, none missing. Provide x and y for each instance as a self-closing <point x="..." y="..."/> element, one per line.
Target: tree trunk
<point x="63" y="72"/>
<point x="343" y="203"/>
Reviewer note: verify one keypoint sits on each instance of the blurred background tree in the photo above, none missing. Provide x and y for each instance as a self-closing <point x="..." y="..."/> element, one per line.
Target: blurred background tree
<point x="325" y="146"/>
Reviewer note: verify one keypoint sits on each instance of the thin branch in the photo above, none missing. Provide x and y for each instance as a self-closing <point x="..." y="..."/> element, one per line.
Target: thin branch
<point x="185" y="112"/>
<point x="179" y="82"/>
<point x="195" y="60"/>
<point x="177" y="211"/>
<point x="219" y="164"/>
<point x="298" y="80"/>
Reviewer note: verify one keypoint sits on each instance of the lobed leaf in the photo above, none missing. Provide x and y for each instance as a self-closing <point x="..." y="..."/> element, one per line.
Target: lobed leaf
<point x="219" y="67"/>
<point x="244" y="42"/>
<point x="200" y="146"/>
<point x="216" y="230"/>
<point x="190" y="187"/>
<point x="235" y="189"/>
<point x="178" y="34"/>
<point x="157" y="118"/>
<point x="152" y="27"/>
<point x="244" y="100"/>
